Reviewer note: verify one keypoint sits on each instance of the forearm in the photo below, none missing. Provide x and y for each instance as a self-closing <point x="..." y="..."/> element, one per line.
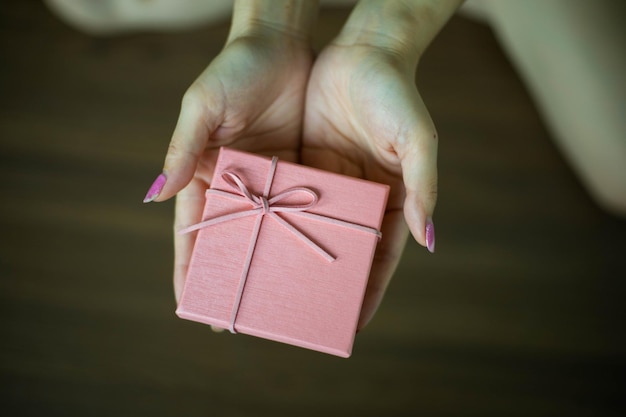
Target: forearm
<point x="403" y="27"/>
<point x="294" y="18"/>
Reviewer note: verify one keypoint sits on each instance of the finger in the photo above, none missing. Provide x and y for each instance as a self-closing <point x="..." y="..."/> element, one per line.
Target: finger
<point x="198" y="119"/>
<point x="418" y="159"/>
<point x="189" y="207"/>
<point x="386" y="258"/>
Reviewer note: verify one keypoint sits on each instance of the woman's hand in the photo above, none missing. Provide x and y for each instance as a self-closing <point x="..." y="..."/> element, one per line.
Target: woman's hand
<point x="250" y="97"/>
<point x="365" y="118"/>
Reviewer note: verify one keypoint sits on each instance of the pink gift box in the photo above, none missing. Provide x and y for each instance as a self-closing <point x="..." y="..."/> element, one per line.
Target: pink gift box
<point x="283" y="252"/>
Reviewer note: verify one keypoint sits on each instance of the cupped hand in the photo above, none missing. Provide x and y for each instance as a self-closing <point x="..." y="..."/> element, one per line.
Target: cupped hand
<point x="365" y="118"/>
<point x="250" y="97"/>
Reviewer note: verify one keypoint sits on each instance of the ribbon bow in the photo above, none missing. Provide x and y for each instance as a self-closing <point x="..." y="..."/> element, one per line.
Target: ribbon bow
<point x="263" y="206"/>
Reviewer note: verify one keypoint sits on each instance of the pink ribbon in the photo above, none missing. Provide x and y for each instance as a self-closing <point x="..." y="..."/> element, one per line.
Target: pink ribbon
<point x="264" y="206"/>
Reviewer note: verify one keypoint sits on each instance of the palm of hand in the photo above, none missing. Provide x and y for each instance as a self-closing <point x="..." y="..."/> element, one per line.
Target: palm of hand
<point x="253" y="93"/>
<point x="251" y="97"/>
<point x="362" y="112"/>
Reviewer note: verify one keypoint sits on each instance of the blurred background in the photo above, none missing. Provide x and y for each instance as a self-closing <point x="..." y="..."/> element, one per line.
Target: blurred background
<point x="520" y="312"/>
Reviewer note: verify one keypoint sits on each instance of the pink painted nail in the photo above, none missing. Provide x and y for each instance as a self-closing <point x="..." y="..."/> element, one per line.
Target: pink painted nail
<point x="155" y="188"/>
<point x="430" y="235"/>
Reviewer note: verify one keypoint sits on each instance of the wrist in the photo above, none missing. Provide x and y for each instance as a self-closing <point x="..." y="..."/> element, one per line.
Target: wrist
<point x="288" y="19"/>
<point x="402" y="28"/>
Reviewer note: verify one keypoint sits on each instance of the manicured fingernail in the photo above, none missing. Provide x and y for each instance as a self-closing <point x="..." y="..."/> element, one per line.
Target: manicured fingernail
<point x="155" y="188"/>
<point x="430" y="235"/>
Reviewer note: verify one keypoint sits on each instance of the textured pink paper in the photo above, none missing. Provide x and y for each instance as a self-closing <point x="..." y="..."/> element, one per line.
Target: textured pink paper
<point x="292" y="294"/>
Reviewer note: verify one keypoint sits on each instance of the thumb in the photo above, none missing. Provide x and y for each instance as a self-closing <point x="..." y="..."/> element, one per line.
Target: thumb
<point x="418" y="159"/>
<point x="195" y="124"/>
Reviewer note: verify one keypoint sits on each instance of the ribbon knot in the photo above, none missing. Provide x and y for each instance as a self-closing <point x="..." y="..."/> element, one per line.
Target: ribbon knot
<point x="263" y="206"/>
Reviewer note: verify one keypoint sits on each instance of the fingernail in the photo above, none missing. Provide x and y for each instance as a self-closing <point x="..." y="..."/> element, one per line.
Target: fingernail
<point x="430" y="235"/>
<point x="155" y="188"/>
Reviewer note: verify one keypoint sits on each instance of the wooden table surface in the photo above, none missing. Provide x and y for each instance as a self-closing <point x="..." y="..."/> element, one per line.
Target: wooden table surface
<point x="519" y="313"/>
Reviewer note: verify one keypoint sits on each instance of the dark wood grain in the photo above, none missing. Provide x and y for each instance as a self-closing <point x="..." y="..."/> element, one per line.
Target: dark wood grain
<point x="520" y="312"/>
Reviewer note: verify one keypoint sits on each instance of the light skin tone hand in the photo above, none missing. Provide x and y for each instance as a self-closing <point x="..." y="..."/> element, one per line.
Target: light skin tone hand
<point x="251" y="97"/>
<point x="364" y="117"/>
